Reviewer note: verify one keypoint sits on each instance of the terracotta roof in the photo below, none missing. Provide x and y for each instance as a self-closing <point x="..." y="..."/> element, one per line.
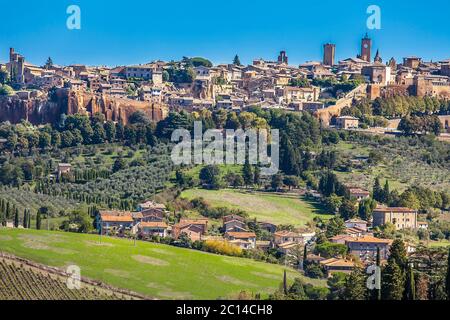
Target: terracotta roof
<point x="114" y="213"/>
<point x="369" y="239"/>
<point x="182" y="226"/>
<point x="288" y="245"/>
<point x="153" y="225"/>
<point x="117" y="218"/>
<point x="241" y="235"/>
<point x="335" y="262"/>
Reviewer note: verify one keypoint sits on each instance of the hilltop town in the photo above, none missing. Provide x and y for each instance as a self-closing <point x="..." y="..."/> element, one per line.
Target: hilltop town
<point x="85" y="160"/>
<point x="320" y="87"/>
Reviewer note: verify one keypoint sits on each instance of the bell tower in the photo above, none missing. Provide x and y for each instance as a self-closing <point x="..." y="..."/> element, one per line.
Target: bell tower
<point x="366" y="48"/>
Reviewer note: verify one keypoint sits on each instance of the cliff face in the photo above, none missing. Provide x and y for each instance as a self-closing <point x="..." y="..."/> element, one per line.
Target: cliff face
<point x="36" y="110"/>
<point x="41" y="110"/>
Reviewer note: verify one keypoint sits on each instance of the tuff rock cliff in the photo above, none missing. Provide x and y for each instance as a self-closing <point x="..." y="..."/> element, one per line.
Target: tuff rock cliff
<point x="44" y="109"/>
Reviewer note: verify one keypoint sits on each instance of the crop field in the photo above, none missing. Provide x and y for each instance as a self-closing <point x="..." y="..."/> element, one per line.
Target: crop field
<point x="23" y="282"/>
<point x="154" y="270"/>
<point x="274" y="208"/>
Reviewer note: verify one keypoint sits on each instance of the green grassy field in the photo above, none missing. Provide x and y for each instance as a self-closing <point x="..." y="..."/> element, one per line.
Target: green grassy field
<point x="160" y="271"/>
<point x="274" y="208"/>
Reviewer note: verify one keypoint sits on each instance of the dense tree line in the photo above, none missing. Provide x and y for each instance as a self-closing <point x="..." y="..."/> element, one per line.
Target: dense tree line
<point x="421" y="276"/>
<point x="425" y="124"/>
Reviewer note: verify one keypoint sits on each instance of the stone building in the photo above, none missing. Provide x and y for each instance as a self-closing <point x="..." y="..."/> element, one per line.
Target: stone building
<point x="377" y="73"/>
<point x="431" y="85"/>
<point x="401" y="218"/>
<point x="347" y="122"/>
<point x="412" y="62"/>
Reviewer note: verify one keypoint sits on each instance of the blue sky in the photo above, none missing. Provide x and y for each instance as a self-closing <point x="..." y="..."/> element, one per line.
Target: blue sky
<point x="125" y="32"/>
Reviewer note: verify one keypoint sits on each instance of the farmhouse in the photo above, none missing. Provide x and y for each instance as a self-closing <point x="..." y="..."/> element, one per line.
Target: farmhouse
<point x="236" y="225"/>
<point x="366" y="247"/>
<point x="201" y="223"/>
<point x="153" y="229"/>
<point x="285" y="236"/>
<point x="64" y="168"/>
<point x="347" y="122"/>
<point x="356" y="223"/>
<point x="193" y="232"/>
<point x="359" y="194"/>
<point x="334" y="265"/>
<point x="245" y="240"/>
<point x="263" y="245"/>
<point x="152" y="215"/>
<point x="109" y="222"/>
<point x="401" y="218"/>
<point x="354" y="232"/>
<point x="151" y="205"/>
<point x="287" y="247"/>
<point x="422" y="225"/>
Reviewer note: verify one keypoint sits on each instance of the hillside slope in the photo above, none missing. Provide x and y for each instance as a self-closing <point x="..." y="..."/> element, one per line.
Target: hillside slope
<point x="155" y="270"/>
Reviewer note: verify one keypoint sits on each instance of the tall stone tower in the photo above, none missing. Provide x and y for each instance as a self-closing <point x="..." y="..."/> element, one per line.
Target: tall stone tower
<point x="366" y="48"/>
<point x="16" y="66"/>
<point x="282" y="58"/>
<point x="329" y="51"/>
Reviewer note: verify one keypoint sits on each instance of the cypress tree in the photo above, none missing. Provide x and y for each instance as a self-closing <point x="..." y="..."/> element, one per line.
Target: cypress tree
<point x="29" y="219"/>
<point x="257" y="175"/>
<point x="16" y="218"/>
<point x="378" y="290"/>
<point x="355" y="285"/>
<point x="377" y="191"/>
<point x="398" y="254"/>
<point x="7" y="211"/>
<point x="285" y="289"/>
<point x="38" y="220"/>
<point x="25" y="218"/>
<point x="447" y="278"/>
<point x="393" y="282"/>
<point x="410" y="290"/>
<point x="2" y="218"/>
<point x="247" y="173"/>
<point x="386" y="193"/>
<point x="236" y="60"/>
